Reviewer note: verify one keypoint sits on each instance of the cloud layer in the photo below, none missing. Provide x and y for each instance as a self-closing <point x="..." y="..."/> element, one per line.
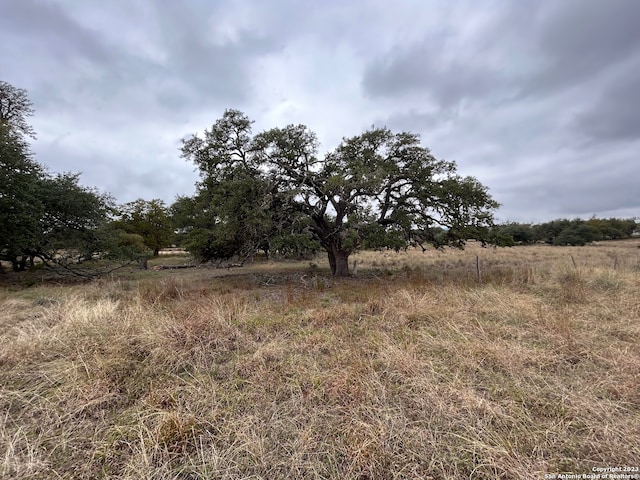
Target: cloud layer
<point x="536" y="99"/>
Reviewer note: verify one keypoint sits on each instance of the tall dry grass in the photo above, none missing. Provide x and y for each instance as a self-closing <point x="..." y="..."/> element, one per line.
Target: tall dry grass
<point x="413" y="370"/>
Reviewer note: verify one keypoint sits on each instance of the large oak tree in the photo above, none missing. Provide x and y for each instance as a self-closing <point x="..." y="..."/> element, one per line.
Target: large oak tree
<point x="378" y="189"/>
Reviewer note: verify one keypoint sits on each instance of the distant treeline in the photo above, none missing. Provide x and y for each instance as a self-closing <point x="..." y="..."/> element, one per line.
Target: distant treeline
<point x="566" y="232"/>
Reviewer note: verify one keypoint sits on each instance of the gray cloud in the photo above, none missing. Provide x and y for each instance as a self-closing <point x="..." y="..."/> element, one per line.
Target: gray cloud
<point x="419" y="69"/>
<point x="614" y="114"/>
<point x="525" y="101"/>
<point x="524" y="48"/>
<point x="40" y="27"/>
<point x="215" y="67"/>
<point x="571" y="186"/>
<point x="451" y="65"/>
<point x="536" y="99"/>
<point x="578" y="40"/>
<point x="131" y="175"/>
<point x="193" y="63"/>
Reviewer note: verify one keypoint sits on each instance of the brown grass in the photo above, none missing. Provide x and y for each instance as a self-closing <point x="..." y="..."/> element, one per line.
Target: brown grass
<point x="412" y="370"/>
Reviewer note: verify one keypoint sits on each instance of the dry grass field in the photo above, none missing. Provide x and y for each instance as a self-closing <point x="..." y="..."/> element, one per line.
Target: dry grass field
<point x="414" y="369"/>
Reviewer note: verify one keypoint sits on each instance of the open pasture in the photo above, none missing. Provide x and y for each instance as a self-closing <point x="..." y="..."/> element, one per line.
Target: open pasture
<point x="417" y="368"/>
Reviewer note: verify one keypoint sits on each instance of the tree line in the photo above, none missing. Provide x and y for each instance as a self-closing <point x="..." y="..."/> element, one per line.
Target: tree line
<point x="566" y="232"/>
<point x="271" y="191"/>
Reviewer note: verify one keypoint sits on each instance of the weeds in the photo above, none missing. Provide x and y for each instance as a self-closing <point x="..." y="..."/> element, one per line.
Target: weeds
<point x="420" y="373"/>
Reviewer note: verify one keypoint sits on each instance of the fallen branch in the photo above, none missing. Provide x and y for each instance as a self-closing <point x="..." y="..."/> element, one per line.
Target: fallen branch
<point x="173" y="267"/>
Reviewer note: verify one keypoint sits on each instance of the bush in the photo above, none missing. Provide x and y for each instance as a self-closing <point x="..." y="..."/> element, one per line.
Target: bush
<point x="577" y="235"/>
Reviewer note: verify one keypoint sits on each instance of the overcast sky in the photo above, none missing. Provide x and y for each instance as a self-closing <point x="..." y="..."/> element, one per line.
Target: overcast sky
<point x="538" y="99"/>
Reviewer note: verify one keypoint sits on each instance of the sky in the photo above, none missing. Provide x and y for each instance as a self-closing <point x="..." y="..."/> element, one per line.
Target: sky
<point x="537" y="99"/>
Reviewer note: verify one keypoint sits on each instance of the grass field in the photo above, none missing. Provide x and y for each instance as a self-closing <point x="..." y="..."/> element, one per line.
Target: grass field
<point x="418" y="368"/>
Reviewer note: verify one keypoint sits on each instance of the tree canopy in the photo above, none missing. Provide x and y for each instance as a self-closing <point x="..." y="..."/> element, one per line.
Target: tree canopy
<point x="149" y="219"/>
<point x="15" y="107"/>
<point x="20" y="206"/>
<point x="44" y="216"/>
<point x="566" y="232"/>
<point x="378" y="189"/>
<point x="51" y="217"/>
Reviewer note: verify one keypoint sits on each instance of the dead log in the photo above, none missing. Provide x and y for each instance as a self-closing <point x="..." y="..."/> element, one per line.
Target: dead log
<point x="173" y="267"/>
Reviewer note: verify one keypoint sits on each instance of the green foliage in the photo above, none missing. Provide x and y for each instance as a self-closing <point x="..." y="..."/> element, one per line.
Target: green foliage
<point x="577" y="234"/>
<point x="565" y="231"/>
<point x="72" y="213"/>
<point x="502" y="239"/>
<point x="226" y="219"/>
<point x="378" y="189"/>
<point x="184" y="217"/>
<point x="613" y="228"/>
<point x="206" y="245"/>
<point x="149" y="219"/>
<point x="20" y="199"/>
<point x="295" y="245"/>
<point x="50" y="217"/>
<point x="520" y="234"/>
<point x="47" y="216"/>
<point x="15" y="107"/>
<point x="377" y="237"/>
<point x="237" y="209"/>
<point x="547" y="232"/>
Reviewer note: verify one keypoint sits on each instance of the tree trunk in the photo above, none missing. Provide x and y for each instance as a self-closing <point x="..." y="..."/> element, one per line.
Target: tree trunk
<point x="19" y="264"/>
<point x="339" y="262"/>
<point x="156" y="252"/>
<point x="331" y="239"/>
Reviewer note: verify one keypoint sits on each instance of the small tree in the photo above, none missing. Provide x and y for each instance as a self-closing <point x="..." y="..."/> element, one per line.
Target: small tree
<point x="520" y="233"/>
<point x="184" y="214"/>
<point x="149" y="219"/>
<point x="72" y="218"/>
<point x="376" y="188"/>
